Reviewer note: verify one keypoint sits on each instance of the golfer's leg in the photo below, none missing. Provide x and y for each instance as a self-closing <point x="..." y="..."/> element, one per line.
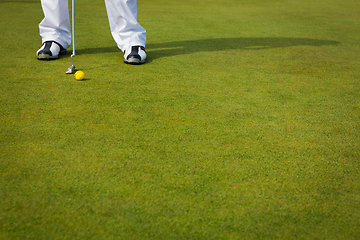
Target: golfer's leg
<point x="124" y="27"/>
<point x="56" y="24"/>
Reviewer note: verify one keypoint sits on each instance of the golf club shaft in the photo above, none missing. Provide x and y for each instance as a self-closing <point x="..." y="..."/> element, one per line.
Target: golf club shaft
<point x="73" y="25"/>
<point x="71" y="69"/>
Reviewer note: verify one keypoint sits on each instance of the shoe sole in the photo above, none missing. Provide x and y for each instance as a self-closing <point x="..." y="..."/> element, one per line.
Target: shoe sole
<point x="134" y="61"/>
<point x="43" y="56"/>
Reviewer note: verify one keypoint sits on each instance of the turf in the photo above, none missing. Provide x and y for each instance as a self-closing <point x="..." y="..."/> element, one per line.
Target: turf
<point x="243" y="124"/>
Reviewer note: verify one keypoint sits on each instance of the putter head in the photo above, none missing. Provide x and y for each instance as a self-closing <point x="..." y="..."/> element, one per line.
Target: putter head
<point x="71" y="70"/>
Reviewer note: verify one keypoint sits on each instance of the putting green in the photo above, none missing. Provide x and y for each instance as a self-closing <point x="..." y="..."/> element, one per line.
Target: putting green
<point x="243" y="124"/>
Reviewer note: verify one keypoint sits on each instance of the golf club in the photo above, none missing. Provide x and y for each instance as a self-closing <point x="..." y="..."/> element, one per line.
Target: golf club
<point x="71" y="69"/>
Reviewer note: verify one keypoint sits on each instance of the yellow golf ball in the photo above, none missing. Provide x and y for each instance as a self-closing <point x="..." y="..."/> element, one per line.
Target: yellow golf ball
<point x="79" y="75"/>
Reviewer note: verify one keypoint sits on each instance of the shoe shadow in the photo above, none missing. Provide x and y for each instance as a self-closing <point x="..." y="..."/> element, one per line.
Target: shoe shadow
<point x="168" y="49"/>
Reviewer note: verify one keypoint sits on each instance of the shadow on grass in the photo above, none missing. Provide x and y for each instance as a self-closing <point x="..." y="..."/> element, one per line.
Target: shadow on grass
<point x="19" y="1"/>
<point x="167" y="49"/>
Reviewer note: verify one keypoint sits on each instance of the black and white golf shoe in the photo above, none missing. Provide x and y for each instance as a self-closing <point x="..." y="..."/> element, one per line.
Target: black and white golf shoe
<point x="50" y="50"/>
<point x="135" y="55"/>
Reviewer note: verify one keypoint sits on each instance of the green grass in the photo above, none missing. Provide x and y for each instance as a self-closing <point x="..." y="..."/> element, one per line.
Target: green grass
<point x="244" y="124"/>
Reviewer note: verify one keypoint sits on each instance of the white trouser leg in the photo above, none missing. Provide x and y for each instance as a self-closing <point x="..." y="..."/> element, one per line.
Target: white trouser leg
<point x="56" y="24"/>
<point x="124" y="27"/>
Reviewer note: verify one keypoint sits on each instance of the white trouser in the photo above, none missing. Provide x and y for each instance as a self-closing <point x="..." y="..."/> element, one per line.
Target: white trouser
<point x="122" y="15"/>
